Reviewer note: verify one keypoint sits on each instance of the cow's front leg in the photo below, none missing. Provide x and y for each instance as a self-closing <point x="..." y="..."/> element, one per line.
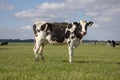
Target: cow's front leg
<point x="71" y="49"/>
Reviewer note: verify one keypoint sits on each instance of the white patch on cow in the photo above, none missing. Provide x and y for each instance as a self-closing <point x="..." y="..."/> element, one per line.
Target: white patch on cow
<point x="48" y="38"/>
<point x="39" y="24"/>
<point x="40" y="39"/>
<point x="42" y="34"/>
<point x="83" y="24"/>
<point x="72" y="29"/>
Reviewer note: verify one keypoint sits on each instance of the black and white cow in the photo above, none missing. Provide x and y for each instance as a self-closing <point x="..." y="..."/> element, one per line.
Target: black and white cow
<point x="3" y="43"/>
<point x="59" y="33"/>
<point x="111" y="43"/>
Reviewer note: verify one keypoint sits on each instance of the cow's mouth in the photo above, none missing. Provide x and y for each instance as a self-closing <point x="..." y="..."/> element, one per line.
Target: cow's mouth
<point x="83" y="33"/>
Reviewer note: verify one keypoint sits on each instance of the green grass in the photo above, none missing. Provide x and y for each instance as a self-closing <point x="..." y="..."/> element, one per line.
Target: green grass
<point x="91" y="62"/>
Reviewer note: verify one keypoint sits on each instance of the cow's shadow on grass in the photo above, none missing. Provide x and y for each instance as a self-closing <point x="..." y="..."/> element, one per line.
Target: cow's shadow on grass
<point x="80" y="61"/>
<point x="3" y="48"/>
<point x="118" y="63"/>
<point x="92" y="62"/>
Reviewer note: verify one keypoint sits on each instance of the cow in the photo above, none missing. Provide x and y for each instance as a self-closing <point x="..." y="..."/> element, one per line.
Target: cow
<point x="58" y="33"/>
<point x="111" y="43"/>
<point x="3" y="43"/>
<point x="108" y="43"/>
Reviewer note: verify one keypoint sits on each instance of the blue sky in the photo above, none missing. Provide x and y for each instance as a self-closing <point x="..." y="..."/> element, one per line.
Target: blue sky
<point x="18" y="16"/>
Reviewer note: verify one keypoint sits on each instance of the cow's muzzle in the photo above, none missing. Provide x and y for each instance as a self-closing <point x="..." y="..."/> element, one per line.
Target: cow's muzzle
<point x="83" y="33"/>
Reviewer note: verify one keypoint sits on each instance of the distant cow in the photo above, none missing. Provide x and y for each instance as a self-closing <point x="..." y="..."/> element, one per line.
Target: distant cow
<point x="111" y="43"/>
<point x="3" y="43"/>
<point x="108" y="43"/>
<point x="59" y="33"/>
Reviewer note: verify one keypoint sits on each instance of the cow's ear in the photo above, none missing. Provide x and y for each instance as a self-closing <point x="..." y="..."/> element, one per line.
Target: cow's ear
<point x="90" y="23"/>
<point x="76" y="23"/>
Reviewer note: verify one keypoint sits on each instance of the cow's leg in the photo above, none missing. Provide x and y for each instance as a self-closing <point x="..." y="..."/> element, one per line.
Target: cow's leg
<point x="41" y="52"/>
<point x="36" y="52"/>
<point x="36" y="49"/>
<point x="71" y="49"/>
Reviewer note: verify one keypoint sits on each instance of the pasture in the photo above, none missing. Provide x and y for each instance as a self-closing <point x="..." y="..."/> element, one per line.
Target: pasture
<point x="90" y="62"/>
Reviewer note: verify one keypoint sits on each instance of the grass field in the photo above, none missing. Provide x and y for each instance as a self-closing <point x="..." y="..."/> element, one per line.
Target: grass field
<point x="91" y="62"/>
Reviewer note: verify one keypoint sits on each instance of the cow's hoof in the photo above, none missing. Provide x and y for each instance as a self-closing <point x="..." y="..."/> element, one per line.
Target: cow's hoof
<point x="36" y="60"/>
<point x="42" y="58"/>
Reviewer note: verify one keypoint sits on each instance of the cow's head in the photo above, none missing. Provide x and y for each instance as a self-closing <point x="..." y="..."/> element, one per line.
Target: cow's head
<point x="78" y="29"/>
<point x="84" y="24"/>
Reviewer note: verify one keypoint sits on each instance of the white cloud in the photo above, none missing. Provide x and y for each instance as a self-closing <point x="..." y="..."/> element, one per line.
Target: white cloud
<point x="6" y="6"/>
<point x="56" y="11"/>
<point x="46" y="11"/>
<point x="51" y="6"/>
<point x="104" y="19"/>
<point x="95" y="25"/>
<point x="104" y="13"/>
<point x="89" y="13"/>
<point x="16" y="33"/>
<point x="27" y="13"/>
<point x="28" y="28"/>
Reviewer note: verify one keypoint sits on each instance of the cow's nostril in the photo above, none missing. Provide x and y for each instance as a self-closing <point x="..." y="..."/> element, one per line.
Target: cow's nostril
<point x="84" y="32"/>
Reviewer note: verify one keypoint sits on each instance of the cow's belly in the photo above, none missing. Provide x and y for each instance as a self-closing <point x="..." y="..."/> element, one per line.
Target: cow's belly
<point x="71" y="42"/>
<point x="55" y="41"/>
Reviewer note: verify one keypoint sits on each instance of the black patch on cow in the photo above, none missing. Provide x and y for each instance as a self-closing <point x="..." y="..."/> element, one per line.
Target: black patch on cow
<point x="69" y="42"/>
<point x="57" y="31"/>
<point x="78" y="29"/>
<point x="90" y="22"/>
<point x="77" y="33"/>
<point x="58" y="35"/>
<point x="49" y="28"/>
<point x="69" y="25"/>
<point x="38" y="30"/>
<point x="43" y="27"/>
<point x="87" y="24"/>
<point x="72" y="37"/>
<point x="76" y="23"/>
<point x="67" y="34"/>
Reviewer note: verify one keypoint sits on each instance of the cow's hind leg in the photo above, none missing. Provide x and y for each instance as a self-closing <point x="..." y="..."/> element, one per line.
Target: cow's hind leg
<point x="36" y="49"/>
<point x="41" y="52"/>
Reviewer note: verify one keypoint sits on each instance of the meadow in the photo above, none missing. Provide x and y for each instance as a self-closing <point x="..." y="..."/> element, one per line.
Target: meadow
<point x="91" y="62"/>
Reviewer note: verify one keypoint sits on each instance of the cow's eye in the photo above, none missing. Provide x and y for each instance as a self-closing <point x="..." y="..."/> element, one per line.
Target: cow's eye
<point x="38" y="30"/>
<point x="79" y="28"/>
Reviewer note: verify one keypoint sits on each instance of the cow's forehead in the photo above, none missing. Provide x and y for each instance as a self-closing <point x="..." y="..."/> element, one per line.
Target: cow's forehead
<point x="83" y="23"/>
